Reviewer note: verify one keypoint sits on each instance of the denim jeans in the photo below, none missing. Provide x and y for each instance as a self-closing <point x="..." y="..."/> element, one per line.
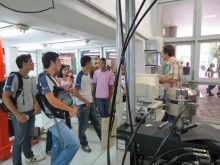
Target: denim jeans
<point x="71" y="145"/>
<point x="84" y="114"/>
<point x="49" y="141"/>
<point x="103" y="105"/>
<point x="23" y="136"/>
<point x="169" y="117"/>
<point x="210" y="87"/>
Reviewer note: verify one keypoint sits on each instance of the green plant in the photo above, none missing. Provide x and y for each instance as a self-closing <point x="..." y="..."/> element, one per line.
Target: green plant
<point x="215" y="50"/>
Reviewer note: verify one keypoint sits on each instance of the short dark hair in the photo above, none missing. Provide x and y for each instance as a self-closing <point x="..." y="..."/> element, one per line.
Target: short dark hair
<point x="102" y="59"/>
<point x="169" y="49"/>
<point x="48" y="57"/>
<point x="22" y="58"/>
<point x="84" y="60"/>
<point x="61" y="69"/>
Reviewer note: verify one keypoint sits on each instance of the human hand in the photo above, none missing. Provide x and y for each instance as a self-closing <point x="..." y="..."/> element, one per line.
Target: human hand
<point x="87" y="104"/>
<point x="73" y="111"/>
<point x="21" y="117"/>
<point x="35" y="108"/>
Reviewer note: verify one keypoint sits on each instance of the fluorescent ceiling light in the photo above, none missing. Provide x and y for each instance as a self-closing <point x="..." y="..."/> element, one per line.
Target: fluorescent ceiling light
<point x="92" y="51"/>
<point x="12" y="30"/>
<point x="31" y="47"/>
<point x="66" y="44"/>
<point x="111" y="50"/>
<point x="111" y="57"/>
<point x="210" y="16"/>
<point x="2" y="24"/>
<point x="88" y="54"/>
<point x="112" y="54"/>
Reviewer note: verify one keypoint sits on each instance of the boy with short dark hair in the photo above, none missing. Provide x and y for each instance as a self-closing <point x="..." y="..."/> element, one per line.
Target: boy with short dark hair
<point x="22" y="115"/>
<point x="84" y="100"/>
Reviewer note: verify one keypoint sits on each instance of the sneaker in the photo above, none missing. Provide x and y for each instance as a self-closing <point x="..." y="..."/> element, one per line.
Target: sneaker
<point x="207" y="91"/>
<point x="35" y="158"/>
<point x="49" y="153"/>
<point x="211" y="94"/>
<point x="218" y="93"/>
<point x="86" y="148"/>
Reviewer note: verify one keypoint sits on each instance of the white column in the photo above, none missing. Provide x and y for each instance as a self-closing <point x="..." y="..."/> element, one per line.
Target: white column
<point x="139" y="58"/>
<point x="10" y="57"/>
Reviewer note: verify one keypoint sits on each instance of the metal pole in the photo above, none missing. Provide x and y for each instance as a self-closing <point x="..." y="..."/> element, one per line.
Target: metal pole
<point x="130" y="60"/>
<point x="118" y="42"/>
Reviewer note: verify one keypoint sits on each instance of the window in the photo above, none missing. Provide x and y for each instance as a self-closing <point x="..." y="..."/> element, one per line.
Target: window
<point x="111" y="59"/>
<point x="209" y="54"/>
<point x="210" y="17"/>
<point x="177" y="19"/>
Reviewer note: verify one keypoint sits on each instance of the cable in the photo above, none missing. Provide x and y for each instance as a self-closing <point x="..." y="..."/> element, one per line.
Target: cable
<point x="1" y="4"/>
<point x="116" y="82"/>
<point x="129" y="38"/>
<point x="170" y="130"/>
<point x="132" y="136"/>
<point x="186" y="154"/>
<point x="185" y="149"/>
<point x="160" y="156"/>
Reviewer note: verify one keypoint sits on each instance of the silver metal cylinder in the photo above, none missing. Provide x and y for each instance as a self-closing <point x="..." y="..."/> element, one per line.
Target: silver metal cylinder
<point x="177" y="99"/>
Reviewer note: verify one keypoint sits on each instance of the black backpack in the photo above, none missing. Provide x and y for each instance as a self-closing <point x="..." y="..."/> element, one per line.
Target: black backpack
<point x="46" y="107"/>
<point x="18" y="92"/>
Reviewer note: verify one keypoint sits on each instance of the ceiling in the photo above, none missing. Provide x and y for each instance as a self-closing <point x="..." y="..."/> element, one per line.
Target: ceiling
<point x="64" y="23"/>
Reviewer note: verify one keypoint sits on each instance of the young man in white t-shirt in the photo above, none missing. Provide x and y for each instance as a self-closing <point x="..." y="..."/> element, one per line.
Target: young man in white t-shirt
<point x="84" y="100"/>
<point x="51" y="63"/>
<point x="22" y="115"/>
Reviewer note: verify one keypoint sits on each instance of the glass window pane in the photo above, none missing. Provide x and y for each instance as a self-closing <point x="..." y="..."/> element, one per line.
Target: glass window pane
<point x="111" y="59"/>
<point x="177" y="19"/>
<point x="210" y="17"/>
<point x="209" y="57"/>
<point x="183" y="54"/>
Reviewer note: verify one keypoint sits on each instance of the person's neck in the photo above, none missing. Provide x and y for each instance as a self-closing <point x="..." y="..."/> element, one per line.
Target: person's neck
<point x="24" y="72"/>
<point x="168" y="58"/>
<point x="85" y="70"/>
<point x="51" y="71"/>
<point x="102" y="70"/>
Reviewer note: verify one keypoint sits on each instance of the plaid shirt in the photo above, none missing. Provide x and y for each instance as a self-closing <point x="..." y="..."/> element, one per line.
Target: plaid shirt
<point x="174" y="71"/>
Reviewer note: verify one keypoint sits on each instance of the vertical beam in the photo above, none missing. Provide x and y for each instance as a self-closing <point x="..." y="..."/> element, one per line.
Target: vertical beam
<point x="130" y="60"/>
<point x="119" y="107"/>
<point x="118" y="41"/>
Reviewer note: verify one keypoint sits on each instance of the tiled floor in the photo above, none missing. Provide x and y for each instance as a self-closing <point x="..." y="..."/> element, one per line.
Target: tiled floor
<point x="96" y="157"/>
<point x="209" y="106"/>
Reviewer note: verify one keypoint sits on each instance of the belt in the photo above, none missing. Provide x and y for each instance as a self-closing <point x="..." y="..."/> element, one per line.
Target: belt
<point x="82" y="105"/>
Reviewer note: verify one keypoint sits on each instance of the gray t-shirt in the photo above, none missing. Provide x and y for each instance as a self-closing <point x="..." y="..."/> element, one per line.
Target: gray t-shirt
<point x="83" y="83"/>
<point x="25" y="99"/>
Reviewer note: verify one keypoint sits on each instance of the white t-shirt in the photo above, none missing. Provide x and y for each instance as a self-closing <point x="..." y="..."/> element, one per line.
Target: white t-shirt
<point x="83" y="83"/>
<point x="25" y="99"/>
<point x="47" y="86"/>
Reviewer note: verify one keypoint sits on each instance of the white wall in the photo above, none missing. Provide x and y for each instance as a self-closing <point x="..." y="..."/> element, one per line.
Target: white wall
<point x="139" y="58"/>
<point x="144" y="27"/>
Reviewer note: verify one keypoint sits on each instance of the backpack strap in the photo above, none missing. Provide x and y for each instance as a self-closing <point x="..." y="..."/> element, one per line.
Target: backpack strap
<point x="55" y="84"/>
<point x="20" y="84"/>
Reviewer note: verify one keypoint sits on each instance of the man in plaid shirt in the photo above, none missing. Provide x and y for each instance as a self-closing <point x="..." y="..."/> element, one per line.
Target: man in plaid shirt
<point x="174" y="73"/>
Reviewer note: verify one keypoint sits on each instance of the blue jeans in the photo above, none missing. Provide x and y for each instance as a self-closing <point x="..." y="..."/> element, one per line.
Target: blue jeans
<point x="71" y="145"/>
<point x="103" y="105"/>
<point x="84" y="114"/>
<point x="169" y="117"/>
<point x="23" y="136"/>
<point x="210" y="87"/>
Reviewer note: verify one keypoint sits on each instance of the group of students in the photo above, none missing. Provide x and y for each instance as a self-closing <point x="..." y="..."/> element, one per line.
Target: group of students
<point x="23" y="114"/>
